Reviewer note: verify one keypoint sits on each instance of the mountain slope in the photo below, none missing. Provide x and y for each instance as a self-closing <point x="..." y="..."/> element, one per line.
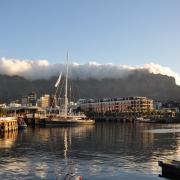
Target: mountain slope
<point x="153" y="86"/>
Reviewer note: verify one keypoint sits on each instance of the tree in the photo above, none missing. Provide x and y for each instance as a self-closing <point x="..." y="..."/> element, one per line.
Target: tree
<point x="2" y="111"/>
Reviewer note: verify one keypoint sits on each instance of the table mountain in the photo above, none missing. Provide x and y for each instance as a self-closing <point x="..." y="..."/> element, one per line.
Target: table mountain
<point x="153" y="86"/>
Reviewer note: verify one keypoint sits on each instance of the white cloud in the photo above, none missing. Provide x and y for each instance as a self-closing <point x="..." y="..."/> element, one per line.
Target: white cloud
<point x="41" y="69"/>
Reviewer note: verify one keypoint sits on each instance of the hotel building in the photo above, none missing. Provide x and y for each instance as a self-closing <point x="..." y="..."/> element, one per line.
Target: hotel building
<point x="118" y="104"/>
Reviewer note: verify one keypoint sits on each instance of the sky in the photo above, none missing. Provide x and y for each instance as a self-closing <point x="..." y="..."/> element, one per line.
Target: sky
<point x="103" y="38"/>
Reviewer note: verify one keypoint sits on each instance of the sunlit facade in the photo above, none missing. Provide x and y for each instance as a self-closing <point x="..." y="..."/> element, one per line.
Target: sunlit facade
<point x="118" y="104"/>
<point x="44" y="101"/>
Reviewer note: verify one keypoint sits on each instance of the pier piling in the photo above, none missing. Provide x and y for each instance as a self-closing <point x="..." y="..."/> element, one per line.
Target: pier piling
<point x="8" y="125"/>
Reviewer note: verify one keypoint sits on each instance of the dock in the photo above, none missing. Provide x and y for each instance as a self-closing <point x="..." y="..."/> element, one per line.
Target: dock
<point x="35" y="120"/>
<point x="8" y="124"/>
<point x="152" y="119"/>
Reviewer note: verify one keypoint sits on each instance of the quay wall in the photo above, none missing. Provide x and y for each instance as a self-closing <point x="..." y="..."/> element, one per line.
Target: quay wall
<point x="154" y="119"/>
<point x="36" y="121"/>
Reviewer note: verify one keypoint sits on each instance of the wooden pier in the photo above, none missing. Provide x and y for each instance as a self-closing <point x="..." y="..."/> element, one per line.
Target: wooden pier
<point x="8" y="125"/>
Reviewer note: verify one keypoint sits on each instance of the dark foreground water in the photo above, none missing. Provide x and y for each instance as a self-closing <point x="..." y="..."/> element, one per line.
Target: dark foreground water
<point x="106" y="150"/>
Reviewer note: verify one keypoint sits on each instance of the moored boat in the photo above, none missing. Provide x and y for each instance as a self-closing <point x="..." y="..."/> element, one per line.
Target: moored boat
<point x="68" y="122"/>
<point x="170" y="169"/>
<point x="21" y="123"/>
<point x="67" y="118"/>
<point x="141" y="119"/>
<point x="72" y="176"/>
<point x="144" y="120"/>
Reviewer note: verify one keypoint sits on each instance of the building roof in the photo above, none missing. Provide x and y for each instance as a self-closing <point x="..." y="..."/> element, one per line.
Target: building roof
<point x="39" y="109"/>
<point x="14" y="108"/>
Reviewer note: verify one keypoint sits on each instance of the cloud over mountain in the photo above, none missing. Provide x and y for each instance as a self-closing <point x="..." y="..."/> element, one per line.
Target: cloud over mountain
<point x="41" y="69"/>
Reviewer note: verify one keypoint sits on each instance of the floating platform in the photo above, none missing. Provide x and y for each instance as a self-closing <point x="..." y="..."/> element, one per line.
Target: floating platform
<point x="170" y="169"/>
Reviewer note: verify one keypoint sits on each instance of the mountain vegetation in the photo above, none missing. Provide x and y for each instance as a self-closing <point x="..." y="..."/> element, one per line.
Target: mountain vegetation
<point x="153" y="86"/>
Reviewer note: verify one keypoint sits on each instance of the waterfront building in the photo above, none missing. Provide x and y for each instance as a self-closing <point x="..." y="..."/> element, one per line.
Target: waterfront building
<point x="124" y="104"/>
<point x="31" y="111"/>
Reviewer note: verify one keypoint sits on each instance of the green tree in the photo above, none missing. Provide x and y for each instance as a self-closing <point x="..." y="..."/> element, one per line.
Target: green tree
<point x="2" y="111"/>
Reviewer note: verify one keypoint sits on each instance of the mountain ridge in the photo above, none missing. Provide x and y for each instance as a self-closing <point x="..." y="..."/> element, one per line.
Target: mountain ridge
<point x="152" y="86"/>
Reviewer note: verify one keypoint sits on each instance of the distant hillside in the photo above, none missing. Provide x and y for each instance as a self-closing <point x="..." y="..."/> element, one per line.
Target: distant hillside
<point x="153" y="86"/>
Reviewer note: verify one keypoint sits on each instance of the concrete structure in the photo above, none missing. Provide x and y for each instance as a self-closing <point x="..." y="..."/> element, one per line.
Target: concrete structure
<point x="118" y="104"/>
<point x="44" y="101"/>
<point x="157" y="105"/>
<point x="32" y="98"/>
<point x="14" y="104"/>
<point x="24" y="100"/>
<point x="24" y="111"/>
<point x="8" y="124"/>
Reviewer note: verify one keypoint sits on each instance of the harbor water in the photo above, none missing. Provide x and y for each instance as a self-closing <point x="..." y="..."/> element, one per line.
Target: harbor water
<point x="106" y="150"/>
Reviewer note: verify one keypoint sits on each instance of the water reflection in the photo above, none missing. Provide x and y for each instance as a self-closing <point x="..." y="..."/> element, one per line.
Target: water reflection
<point x="162" y="130"/>
<point x="7" y="139"/>
<point x="102" y="151"/>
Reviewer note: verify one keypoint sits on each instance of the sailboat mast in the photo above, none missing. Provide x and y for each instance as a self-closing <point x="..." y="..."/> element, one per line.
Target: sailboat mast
<point x="66" y="87"/>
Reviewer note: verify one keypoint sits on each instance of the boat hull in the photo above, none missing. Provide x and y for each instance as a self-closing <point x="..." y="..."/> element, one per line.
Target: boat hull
<point x="170" y="169"/>
<point x="24" y="126"/>
<point x="49" y="123"/>
<point x="21" y="124"/>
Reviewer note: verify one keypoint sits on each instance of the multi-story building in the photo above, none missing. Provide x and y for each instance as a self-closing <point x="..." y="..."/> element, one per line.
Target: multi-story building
<point x="24" y="100"/>
<point x="32" y="98"/>
<point x="118" y="104"/>
<point x="14" y="104"/>
<point x="44" y="101"/>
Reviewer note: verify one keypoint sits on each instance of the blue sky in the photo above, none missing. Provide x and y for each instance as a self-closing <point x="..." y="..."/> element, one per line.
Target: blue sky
<point x="121" y="32"/>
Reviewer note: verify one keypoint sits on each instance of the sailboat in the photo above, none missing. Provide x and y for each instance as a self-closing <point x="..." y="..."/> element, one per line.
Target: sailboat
<point x="67" y="118"/>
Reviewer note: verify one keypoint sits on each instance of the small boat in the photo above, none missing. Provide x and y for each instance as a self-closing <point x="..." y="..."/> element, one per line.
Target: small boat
<point x="68" y="121"/>
<point x="141" y="119"/>
<point x="72" y="176"/>
<point x="144" y="120"/>
<point x="21" y="123"/>
<point x="138" y="119"/>
<point x="170" y="169"/>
